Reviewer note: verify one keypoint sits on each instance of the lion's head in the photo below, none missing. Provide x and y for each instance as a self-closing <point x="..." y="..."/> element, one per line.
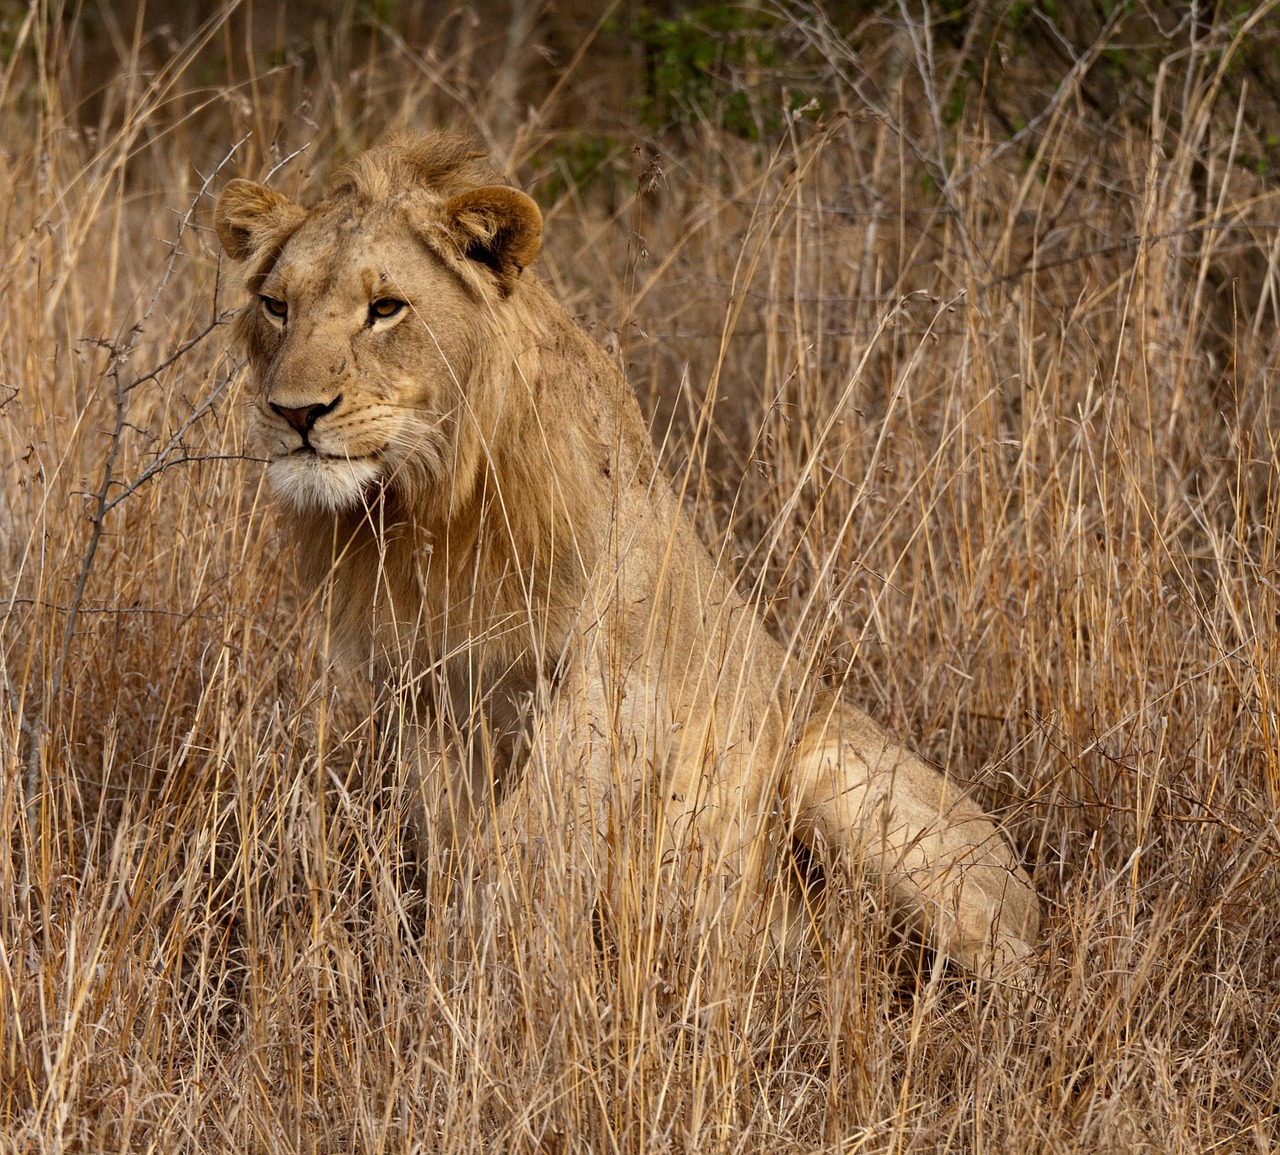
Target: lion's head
<point x="372" y="311"/>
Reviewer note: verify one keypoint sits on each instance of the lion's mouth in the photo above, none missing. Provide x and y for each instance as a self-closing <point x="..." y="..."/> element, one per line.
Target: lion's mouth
<point x="309" y="478"/>
<point x="310" y="451"/>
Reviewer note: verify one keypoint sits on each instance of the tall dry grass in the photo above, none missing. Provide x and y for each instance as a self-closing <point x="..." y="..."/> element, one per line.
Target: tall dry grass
<point x="978" y="392"/>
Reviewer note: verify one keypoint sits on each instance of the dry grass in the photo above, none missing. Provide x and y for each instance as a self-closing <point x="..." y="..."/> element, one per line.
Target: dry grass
<point x="990" y="417"/>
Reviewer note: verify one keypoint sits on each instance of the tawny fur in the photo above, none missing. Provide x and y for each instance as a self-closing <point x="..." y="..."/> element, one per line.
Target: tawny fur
<point x="479" y="492"/>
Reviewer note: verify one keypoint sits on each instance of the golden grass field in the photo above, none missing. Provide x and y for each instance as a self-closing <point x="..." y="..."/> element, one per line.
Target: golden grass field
<point x="974" y="371"/>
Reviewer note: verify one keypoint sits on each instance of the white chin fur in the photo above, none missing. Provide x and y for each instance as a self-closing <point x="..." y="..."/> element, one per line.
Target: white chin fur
<point x="312" y="483"/>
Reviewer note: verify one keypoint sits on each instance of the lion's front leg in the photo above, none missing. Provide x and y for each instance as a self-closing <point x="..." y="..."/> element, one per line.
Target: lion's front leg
<point x="855" y="792"/>
<point x="448" y="791"/>
<point x="461" y="754"/>
<point x="565" y="785"/>
<point x="474" y="802"/>
<point x="541" y="840"/>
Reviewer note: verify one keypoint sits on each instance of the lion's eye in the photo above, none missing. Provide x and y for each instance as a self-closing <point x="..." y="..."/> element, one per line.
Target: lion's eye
<point x="384" y="307"/>
<point x="275" y="307"/>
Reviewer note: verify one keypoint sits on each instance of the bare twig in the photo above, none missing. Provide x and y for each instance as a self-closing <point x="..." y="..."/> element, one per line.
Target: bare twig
<point x="104" y="501"/>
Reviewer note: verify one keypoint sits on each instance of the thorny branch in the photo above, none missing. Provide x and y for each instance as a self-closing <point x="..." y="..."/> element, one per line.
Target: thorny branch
<point x="103" y="499"/>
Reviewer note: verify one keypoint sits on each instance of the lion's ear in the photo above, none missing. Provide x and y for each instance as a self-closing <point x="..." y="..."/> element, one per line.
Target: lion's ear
<point x="498" y="227"/>
<point x="249" y="216"/>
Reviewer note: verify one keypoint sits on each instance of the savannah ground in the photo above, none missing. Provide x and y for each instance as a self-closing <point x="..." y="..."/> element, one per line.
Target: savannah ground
<point x="960" y="326"/>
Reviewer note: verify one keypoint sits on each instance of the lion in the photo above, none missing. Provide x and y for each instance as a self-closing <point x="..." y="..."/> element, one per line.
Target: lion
<point x="468" y="476"/>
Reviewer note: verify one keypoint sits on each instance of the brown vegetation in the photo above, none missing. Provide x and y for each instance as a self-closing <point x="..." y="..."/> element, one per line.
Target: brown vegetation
<point x="969" y="364"/>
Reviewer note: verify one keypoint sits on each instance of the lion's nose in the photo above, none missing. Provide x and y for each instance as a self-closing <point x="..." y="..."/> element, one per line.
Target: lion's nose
<point x="304" y="417"/>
